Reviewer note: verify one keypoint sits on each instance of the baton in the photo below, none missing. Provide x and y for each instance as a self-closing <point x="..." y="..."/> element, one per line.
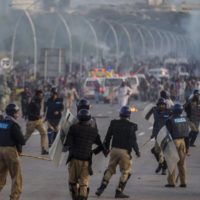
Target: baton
<point x="35" y="157"/>
<point x="146" y="142"/>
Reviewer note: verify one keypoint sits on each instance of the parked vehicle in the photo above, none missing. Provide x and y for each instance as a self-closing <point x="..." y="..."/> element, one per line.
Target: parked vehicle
<point x="110" y="86"/>
<point x="159" y="73"/>
<point x="89" y="87"/>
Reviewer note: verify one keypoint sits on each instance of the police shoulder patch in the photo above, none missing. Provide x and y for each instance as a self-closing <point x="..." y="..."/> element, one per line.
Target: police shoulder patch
<point x="3" y="126"/>
<point x="180" y="120"/>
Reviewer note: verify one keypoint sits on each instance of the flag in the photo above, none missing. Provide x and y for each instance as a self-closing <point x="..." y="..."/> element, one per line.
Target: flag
<point x="168" y="147"/>
<point x="146" y="110"/>
<point x="56" y="151"/>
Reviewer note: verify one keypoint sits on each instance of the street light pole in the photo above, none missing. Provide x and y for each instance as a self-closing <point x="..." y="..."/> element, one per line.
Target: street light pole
<point x="27" y="14"/>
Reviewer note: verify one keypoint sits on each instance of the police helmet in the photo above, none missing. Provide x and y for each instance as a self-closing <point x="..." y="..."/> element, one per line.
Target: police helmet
<point x="161" y="101"/>
<point x="84" y="115"/>
<point x="125" y="112"/>
<point x="164" y="94"/>
<point x="196" y="92"/>
<point x="83" y="104"/>
<point x="177" y="109"/>
<point x="11" y="109"/>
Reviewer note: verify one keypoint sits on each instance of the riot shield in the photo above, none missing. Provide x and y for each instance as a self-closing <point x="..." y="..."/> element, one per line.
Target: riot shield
<point x="56" y="151"/>
<point x="168" y="147"/>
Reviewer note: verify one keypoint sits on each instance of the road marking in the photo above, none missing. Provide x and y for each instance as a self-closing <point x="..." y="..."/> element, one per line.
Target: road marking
<point x="142" y="133"/>
<point x="150" y="128"/>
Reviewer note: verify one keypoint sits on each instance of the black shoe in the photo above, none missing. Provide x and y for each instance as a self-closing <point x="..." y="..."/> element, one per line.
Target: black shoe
<point x="164" y="172"/>
<point x="183" y="185"/>
<point x="158" y="168"/>
<point x="120" y="195"/>
<point x="192" y="145"/>
<point x="44" y="152"/>
<point x="100" y="190"/>
<point x="169" y="185"/>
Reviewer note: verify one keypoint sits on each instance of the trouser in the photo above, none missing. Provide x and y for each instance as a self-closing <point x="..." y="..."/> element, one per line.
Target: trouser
<point x="156" y="150"/>
<point x="181" y="149"/>
<point x="9" y="162"/>
<point x="79" y="177"/>
<point x="122" y="158"/>
<point x="194" y="126"/>
<point x="38" y="125"/>
<point x="52" y="130"/>
<point x="69" y="103"/>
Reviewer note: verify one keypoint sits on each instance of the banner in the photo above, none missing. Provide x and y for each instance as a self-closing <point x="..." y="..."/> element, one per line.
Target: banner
<point x="168" y="147"/>
<point x="56" y="151"/>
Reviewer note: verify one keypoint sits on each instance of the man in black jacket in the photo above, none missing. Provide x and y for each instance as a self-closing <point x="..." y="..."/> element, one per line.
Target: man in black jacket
<point x="192" y="108"/>
<point x="80" y="138"/>
<point x="160" y="113"/>
<point x="53" y="109"/>
<point x="11" y="141"/>
<point x="122" y="133"/>
<point x="35" y="120"/>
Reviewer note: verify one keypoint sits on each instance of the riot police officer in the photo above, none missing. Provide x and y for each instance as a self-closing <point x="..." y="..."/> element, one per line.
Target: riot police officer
<point x="11" y="141"/>
<point x="160" y="113"/>
<point x="85" y="104"/>
<point x="178" y="128"/>
<point x="122" y="133"/>
<point x="53" y="109"/>
<point x="80" y="138"/>
<point x="35" y="120"/>
<point x="192" y="108"/>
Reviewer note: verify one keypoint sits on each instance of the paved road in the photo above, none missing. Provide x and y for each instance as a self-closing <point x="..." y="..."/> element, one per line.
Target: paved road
<point x="42" y="181"/>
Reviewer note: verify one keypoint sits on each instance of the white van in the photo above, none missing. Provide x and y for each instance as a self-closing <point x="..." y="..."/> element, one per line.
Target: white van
<point x="88" y="87"/>
<point x="110" y="86"/>
<point x="159" y="73"/>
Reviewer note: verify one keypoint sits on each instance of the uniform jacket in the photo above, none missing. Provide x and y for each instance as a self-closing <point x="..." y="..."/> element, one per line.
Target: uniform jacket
<point x="192" y="108"/>
<point x="160" y="118"/>
<point x="52" y="106"/>
<point x="11" y="134"/>
<point x="34" y="109"/>
<point x="80" y="138"/>
<point x="122" y="133"/>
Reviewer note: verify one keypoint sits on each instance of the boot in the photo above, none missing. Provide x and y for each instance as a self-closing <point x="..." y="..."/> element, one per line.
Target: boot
<point x="120" y="195"/>
<point x="164" y="167"/>
<point x="157" y="158"/>
<point x="82" y="198"/>
<point x="193" y="137"/>
<point x="101" y="189"/>
<point x="44" y="151"/>
<point x="158" y="168"/>
<point x="164" y="171"/>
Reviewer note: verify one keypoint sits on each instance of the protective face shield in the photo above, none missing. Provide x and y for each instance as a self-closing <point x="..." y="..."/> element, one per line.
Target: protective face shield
<point x="177" y="109"/>
<point x="125" y="112"/>
<point x="84" y="115"/>
<point x="83" y="104"/>
<point x="164" y="94"/>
